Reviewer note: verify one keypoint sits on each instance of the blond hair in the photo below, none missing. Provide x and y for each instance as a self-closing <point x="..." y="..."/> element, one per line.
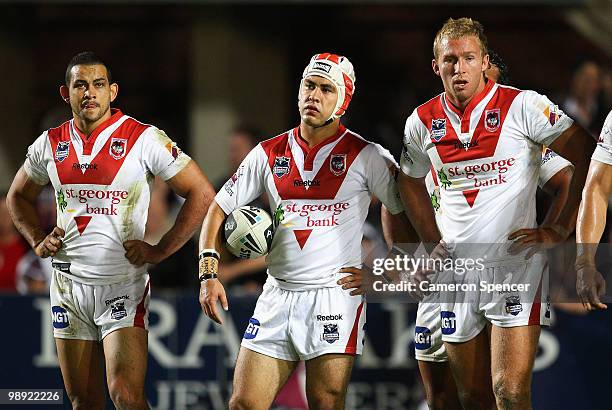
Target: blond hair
<point x="461" y="27"/>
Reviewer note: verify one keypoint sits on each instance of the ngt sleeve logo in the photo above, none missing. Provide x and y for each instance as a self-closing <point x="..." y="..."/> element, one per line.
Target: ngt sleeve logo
<point x="422" y="338"/>
<point x="60" y="317"/>
<point x="449" y="322"/>
<point x="252" y="329"/>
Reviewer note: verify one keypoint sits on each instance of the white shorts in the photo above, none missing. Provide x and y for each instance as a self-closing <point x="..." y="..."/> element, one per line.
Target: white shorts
<point x="464" y="318"/>
<point x="301" y="325"/>
<point x="90" y="312"/>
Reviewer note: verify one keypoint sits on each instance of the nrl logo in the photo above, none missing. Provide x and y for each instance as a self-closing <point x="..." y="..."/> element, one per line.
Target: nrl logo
<point x="118" y="311"/>
<point x="513" y="305"/>
<point x="118" y="148"/>
<point x="330" y="333"/>
<point x="62" y="150"/>
<point x="438" y="128"/>
<point x="281" y="166"/>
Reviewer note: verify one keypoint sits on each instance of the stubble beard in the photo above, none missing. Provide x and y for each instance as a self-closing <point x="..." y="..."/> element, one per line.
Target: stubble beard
<point x="95" y="116"/>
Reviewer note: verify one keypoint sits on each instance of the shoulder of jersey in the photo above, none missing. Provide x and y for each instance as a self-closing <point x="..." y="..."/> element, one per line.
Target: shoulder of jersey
<point x="276" y="138"/>
<point x="362" y="142"/>
<point x="353" y="134"/>
<point x="62" y="127"/>
<point x="430" y="102"/>
<point x="510" y="87"/>
<point x="430" y="105"/>
<point x="134" y="121"/>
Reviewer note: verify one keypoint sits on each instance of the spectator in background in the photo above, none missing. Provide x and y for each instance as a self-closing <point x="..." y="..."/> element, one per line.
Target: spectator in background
<point x="12" y="248"/>
<point x="241" y="141"/>
<point x="582" y="102"/>
<point x="249" y="275"/>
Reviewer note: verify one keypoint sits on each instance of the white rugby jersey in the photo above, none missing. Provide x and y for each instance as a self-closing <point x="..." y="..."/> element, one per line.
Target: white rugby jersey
<point x="550" y="165"/>
<point x="487" y="159"/>
<point x="319" y="197"/>
<point x="102" y="185"/>
<point x="603" y="152"/>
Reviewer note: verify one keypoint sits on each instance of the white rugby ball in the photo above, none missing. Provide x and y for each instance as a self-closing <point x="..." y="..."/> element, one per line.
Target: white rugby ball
<point x="248" y="232"/>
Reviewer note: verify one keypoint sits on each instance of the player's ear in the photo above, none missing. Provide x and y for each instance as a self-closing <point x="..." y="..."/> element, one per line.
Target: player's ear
<point x="64" y="93"/>
<point x="435" y="67"/>
<point x="485" y="62"/>
<point x="114" y="90"/>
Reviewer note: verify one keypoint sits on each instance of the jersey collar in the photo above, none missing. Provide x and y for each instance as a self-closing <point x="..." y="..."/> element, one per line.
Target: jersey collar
<point x="311" y="153"/>
<point x="467" y="112"/>
<point x="304" y="145"/>
<point x="89" y="142"/>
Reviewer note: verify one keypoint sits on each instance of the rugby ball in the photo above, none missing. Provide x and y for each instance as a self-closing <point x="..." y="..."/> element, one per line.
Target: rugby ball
<point x="248" y="232"/>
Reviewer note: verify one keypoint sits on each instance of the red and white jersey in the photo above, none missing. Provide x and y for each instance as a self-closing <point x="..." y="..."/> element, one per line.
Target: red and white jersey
<point x="319" y="197"/>
<point x="550" y="165"/>
<point x="603" y="152"/>
<point x="487" y="159"/>
<point x="102" y="186"/>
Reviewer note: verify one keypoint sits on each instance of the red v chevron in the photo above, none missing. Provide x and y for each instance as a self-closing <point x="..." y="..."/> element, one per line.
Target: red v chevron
<point x="105" y="167"/>
<point x="82" y="222"/>
<point x="470" y="196"/>
<point x="302" y="236"/>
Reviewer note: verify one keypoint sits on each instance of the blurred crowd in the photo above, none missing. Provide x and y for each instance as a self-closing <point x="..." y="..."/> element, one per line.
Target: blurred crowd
<point x="588" y="99"/>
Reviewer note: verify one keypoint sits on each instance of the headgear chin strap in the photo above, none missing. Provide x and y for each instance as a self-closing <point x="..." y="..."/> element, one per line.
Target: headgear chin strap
<point x="338" y="70"/>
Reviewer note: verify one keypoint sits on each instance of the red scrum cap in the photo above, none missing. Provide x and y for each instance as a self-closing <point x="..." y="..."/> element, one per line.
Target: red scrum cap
<point x="338" y="70"/>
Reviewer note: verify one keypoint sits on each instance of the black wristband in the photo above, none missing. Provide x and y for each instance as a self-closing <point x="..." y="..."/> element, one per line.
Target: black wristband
<point x="208" y="252"/>
<point x="207" y="276"/>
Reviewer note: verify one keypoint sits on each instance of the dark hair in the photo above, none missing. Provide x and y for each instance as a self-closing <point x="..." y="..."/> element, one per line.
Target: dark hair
<point x="504" y="71"/>
<point x="86" y="58"/>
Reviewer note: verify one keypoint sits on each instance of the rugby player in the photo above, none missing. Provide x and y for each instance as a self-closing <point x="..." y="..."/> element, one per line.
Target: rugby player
<point x="485" y="140"/>
<point x="319" y="177"/>
<point x="554" y="179"/>
<point x="101" y="164"/>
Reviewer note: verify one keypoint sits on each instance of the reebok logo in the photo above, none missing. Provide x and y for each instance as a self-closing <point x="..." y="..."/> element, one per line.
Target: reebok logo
<point x="113" y="300"/>
<point x="322" y="318"/>
<point x="465" y="145"/>
<point x="76" y="165"/>
<point x="307" y="183"/>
